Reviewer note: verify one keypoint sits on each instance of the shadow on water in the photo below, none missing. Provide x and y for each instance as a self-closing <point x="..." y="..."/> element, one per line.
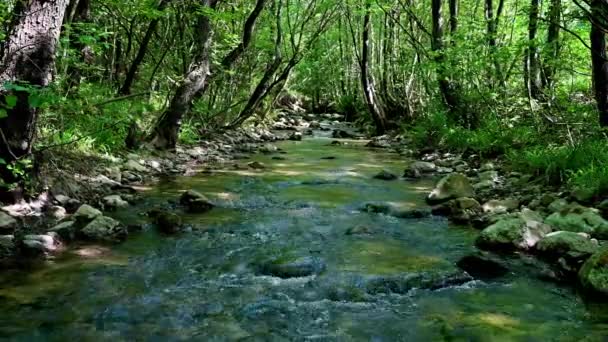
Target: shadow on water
<point x="393" y="280"/>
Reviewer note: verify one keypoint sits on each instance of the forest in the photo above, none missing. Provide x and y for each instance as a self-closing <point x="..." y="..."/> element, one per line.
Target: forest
<point x="235" y="116"/>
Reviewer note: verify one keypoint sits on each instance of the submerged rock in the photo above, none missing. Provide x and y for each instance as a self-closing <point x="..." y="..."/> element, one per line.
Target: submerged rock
<point x="579" y="219"/>
<point x="482" y="266"/>
<point x="301" y="267"/>
<point x="385" y="175"/>
<point x="195" y="202"/>
<point x="402" y="284"/>
<point x="522" y="230"/>
<point x="167" y="222"/>
<point x="450" y="187"/>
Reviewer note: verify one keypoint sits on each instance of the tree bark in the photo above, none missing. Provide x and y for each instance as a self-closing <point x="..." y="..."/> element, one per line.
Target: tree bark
<point x="28" y="57"/>
<point x="599" y="58"/>
<point x="82" y="15"/>
<point x="532" y="65"/>
<point x="553" y="45"/>
<point x="167" y="129"/>
<point x="369" y="91"/>
<point x="141" y="52"/>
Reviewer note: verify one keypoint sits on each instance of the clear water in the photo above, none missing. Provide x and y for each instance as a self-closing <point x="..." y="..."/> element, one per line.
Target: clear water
<point x="203" y="285"/>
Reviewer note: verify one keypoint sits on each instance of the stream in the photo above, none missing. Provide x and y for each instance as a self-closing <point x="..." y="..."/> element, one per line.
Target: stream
<point x="390" y="282"/>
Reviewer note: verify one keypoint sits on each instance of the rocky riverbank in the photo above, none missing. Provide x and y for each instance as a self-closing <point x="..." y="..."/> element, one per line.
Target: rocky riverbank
<point x="515" y="213"/>
<point x="83" y="188"/>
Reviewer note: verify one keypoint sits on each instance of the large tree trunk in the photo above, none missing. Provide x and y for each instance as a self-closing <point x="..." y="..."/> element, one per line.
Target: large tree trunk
<point x="553" y="45"/>
<point x="141" y="52"/>
<point x="599" y="58"/>
<point x="532" y="66"/>
<point x="369" y="91"/>
<point x="167" y="129"/>
<point x="28" y="57"/>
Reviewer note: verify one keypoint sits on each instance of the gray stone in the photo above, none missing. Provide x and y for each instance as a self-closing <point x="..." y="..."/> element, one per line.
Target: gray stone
<point x="132" y="165"/>
<point x="114" y="202"/>
<point x="65" y="230"/>
<point x="85" y="214"/>
<point x="451" y="187"/>
<point x="7" y="222"/>
<point x="104" y="229"/>
<point x="522" y="230"/>
<point x="195" y="202"/>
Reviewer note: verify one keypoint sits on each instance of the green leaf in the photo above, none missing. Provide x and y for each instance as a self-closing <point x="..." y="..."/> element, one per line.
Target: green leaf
<point x="3" y="113"/>
<point x="2" y="161"/>
<point x="11" y="101"/>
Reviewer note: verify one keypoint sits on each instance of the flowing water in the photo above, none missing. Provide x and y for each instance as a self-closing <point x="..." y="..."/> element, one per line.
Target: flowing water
<point x="392" y="284"/>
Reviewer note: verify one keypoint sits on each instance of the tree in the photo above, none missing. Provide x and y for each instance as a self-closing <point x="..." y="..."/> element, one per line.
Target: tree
<point x="599" y="57"/>
<point x="26" y="64"/>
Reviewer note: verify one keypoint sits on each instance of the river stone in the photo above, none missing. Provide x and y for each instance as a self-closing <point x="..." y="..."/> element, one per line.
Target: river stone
<point x="482" y="266"/>
<point x="385" y="175"/>
<point x="342" y="134"/>
<point x="579" y="219"/>
<point x="489" y="176"/>
<point x="403" y="284"/>
<point x="104" y="229"/>
<point x="487" y="167"/>
<point x="301" y="267"/>
<point x="558" y="205"/>
<point x="419" y="168"/>
<point x="593" y="276"/>
<point x="7" y="245"/>
<point x="195" y="202"/>
<point x="132" y="165"/>
<point x="461" y="210"/>
<point x="167" y="222"/>
<point x="411" y="213"/>
<point x="522" y="230"/>
<point x="256" y="165"/>
<point x="557" y="244"/>
<point x="359" y="230"/>
<point x="38" y="245"/>
<point x="85" y="214"/>
<point x="295" y="136"/>
<point x="450" y="187"/>
<point x="114" y="202"/>
<point x="7" y="222"/>
<point x="65" y="230"/>
<point x="494" y="207"/>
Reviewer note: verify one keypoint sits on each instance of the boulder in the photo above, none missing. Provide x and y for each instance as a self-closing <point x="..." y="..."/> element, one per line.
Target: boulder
<point x="385" y="175"/>
<point x="461" y="210"/>
<point x="195" y="202"/>
<point x="114" y="202"/>
<point x="85" y="214"/>
<point x="7" y="222"/>
<point x="132" y="165"/>
<point x="593" y="275"/>
<point x="419" y="168"/>
<point x="65" y="230"/>
<point x="342" y="134"/>
<point x="295" y="136"/>
<point x="104" y="229"/>
<point x="450" y="187"/>
<point x="40" y="245"/>
<point x="166" y="222"/>
<point x="558" y="205"/>
<point x="256" y="165"/>
<point x="579" y="219"/>
<point x="568" y="250"/>
<point x="522" y="230"/>
<point x="57" y="212"/>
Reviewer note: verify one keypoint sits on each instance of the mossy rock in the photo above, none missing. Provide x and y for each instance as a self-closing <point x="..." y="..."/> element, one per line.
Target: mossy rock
<point x="557" y="244"/>
<point x="593" y="276"/>
<point x="517" y="231"/>
<point x="579" y="219"/>
<point x="451" y="187"/>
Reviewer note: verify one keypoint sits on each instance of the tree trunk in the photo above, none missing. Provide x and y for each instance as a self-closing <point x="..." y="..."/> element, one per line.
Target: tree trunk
<point x="28" y="57"/>
<point x="369" y="91"/>
<point x="552" y="42"/>
<point x="141" y="53"/>
<point x="532" y="65"/>
<point x="167" y="129"/>
<point x="599" y="58"/>
<point x="82" y="16"/>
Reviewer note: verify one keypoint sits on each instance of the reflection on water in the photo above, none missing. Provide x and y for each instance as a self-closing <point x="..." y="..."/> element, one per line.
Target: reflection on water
<point x="204" y="286"/>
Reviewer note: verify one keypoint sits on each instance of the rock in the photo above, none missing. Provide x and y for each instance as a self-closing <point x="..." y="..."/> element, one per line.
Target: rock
<point x="7" y="222"/>
<point x="85" y="214"/>
<point x="295" y="136"/>
<point x="494" y="207"/>
<point x="485" y="184"/>
<point x="336" y="143"/>
<point x="268" y="149"/>
<point x="256" y="165"/>
<point x="114" y="173"/>
<point x="7" y="246"/>
<point x="131" y="177"/>
<point x="359" y="230"/>
<point x="579" y="219"/>
<point x="410" y="213"/>
<point x="114" y="202"/>
<point x="132" y="165"/>
<point x="593" y="275"/>
<point x="342" y="134"/>
<point x="583" y="195"/>
<point x="104" y="229"/>
<point x="379" y="142"/>
<point x="487" y="167"/>
<point x="419" y="168"/>
<point x="279" y="158"/>
<point x="461" y="210"/>
<point x="522" y="230"/>
<point x="39" y="245"/>
<point x="195" y="202"/>
<point x="377" y="208"/>
<point x="57" y="212"/>
<point x="482" y="266"/>
<point x="450" y="187"/>
<point x="558" y="205"/>
<point x="167" y="222"/>
<point x="65" y="230"/>
<point x="300" y="267"/>
<point x="573" y="246"/>
<point x="385" y="175"/>
<point x="329" y="158"/>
